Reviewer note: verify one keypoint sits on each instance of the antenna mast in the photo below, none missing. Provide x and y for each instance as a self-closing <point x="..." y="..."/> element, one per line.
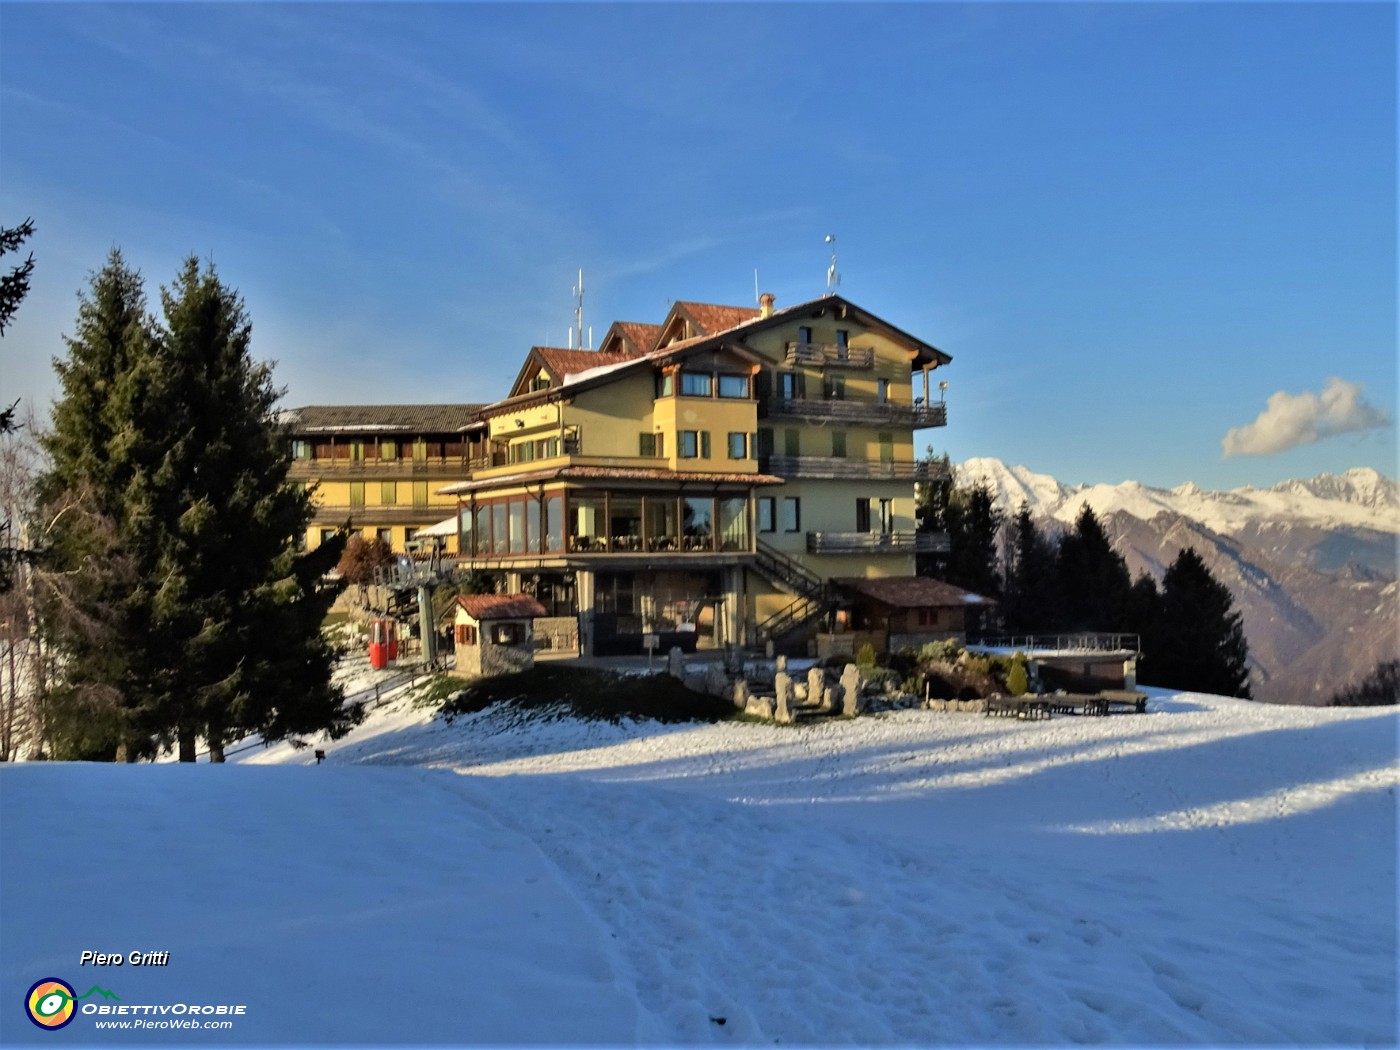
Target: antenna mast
<point x="832" y="277"/>
<point x="578" y="312"/>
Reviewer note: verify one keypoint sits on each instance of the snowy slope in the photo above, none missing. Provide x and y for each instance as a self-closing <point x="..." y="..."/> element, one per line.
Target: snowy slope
<point x="1214" y="873"/>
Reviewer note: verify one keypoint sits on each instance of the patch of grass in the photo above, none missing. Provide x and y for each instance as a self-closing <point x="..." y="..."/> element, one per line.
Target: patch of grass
<point x="436" y="690"/>
<point x="589" y="693"/>
<point x="335" y="619"/>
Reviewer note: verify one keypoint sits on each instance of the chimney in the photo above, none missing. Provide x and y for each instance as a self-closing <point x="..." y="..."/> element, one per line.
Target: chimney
<point x="765" y="303"/>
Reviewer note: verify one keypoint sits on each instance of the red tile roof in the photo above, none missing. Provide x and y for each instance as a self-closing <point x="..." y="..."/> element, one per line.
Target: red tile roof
<point x="910" y="592"/>
<point x="639" y="337"/>
<point x="610" y="474"/>
<point x="500" y="606"/>
<point x="712" y="318"/>
<point x="561" y="363"/>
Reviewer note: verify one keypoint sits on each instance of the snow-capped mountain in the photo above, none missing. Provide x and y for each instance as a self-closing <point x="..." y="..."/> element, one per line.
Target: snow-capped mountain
<point x="1311" y="563"/>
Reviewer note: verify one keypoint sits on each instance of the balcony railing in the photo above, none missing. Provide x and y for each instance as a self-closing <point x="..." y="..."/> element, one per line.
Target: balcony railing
<point x="825" y="355"/>
<point x="877" y="543"/>
<point x="312" y="469"/>
<point x="1079" y="642"/>
<point x="836" y="467"/>
<point x="841" y="411"/>
<point x="392" y="514"/>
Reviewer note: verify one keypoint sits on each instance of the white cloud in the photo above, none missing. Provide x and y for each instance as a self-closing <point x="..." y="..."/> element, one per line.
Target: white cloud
<point x="1291" y="420"/>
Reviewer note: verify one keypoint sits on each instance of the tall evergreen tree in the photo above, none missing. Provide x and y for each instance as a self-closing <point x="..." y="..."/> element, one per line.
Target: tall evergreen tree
<point x="1094" y="578"/>
<point x="1031" y="598"/>
<point x="1200" y="644"/>
<point x="931" y="499"/>
<point x="974" y="526"/>
<point x="14" y="286"/>
<point x="221" y="630"/>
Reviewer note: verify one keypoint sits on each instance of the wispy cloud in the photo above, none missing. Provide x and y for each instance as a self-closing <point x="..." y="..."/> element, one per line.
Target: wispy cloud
<point x="1291" y="420"/>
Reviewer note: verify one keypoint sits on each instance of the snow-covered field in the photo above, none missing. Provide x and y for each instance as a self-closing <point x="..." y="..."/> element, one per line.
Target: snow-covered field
<point x="1214" y="872"/>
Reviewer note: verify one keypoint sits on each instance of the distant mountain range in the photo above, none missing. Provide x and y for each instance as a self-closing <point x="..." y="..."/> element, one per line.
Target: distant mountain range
<point x="1312" y="563"/>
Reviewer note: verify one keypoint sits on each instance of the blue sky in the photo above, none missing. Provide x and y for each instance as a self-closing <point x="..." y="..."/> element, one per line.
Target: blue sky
<point x="1130" y="224"/>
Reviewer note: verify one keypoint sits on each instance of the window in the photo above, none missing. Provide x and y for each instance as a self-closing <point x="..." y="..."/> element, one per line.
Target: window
<point x="385" y="536"/>
<point x="646" y="445"/>
<point x="764" y="443"/>
<point x="886" y="448"/>
<point x="357" y="452"/>
<point x="301" y="450"/>
<point x="515" y="523"/>
<point x="886" y="515"/>
<point x="357" y="494"/>
<point x="838" y="444"/>
<point x="697" y="523"/>
<point x="420" y="493"/>
<point x="507" y="633"/>
<point x="554" y="523"/>
<point x="882" y="390"/>
<point x="834" y="388"/>
<point x="466" y="634"/>
<point x="792" y="442"/>
<point x="388" y="493"/>
<point x="696" y="384"/>
<point x="388" y="450"/>
<point x="327" y="535"/>
<point x="804" y="335"/>
<point x="733" y="523"/>
<point x="738" y="445"/>
<point x="842" y="338"/>
<point x="500" y="539"/>
<point x="733" y="386"/>
<point x="694" y="443"/>
<point x="792" y="514"/>
<point x="928" y="617"/>
<point x="665" y="384"/>
<point x="862" y="515"/>
<point x="791" y="386"/>
<point x="767" y="514"/>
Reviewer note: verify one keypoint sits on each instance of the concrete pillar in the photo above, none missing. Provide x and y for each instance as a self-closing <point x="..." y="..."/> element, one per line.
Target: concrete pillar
<point x="732" y="579"/>
<point x="584" y="593"/>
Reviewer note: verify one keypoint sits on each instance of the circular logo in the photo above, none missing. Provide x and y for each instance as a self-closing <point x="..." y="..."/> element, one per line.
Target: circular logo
<point x="50" y="1003"/>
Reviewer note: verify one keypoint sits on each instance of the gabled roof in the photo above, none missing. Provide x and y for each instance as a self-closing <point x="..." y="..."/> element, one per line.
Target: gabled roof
<point x="412" y="419"/>
<point x="732" y="338"/>
<point x="561" y="363"/>
<point x="500" y="606"/>
<point x="630" y="337"/>
<point x="910" y="592"/>
<point x="706" y="319"/>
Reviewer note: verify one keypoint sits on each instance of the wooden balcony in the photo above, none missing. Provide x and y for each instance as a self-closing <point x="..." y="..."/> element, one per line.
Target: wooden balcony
<point x="826" y="355"/>
<point x="835" y="467"/>
<point x="875" y="413"/>
<point x="396" y="514"/>
<point x="377" y="470"/>
<point x="877" y="543"/>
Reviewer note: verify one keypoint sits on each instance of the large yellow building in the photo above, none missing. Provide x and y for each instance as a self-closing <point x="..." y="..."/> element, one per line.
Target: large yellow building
<point x="380" y="467"/>
<point x="702" y="480"/>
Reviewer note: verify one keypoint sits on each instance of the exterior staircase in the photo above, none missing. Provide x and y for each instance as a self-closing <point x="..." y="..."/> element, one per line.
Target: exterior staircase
<point x="811" y="595"/>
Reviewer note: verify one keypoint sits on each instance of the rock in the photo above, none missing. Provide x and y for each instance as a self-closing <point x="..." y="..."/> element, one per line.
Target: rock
<point x="694" y="681"/>
<point x="783" y="699"/>
<point x="851" y="702"/>
<point x="741" y="694"/>
<point x="759" y="707"/>
<point x="716" y="681"/>
<point x="675" y="662"/>
<point x="816" y="685"/>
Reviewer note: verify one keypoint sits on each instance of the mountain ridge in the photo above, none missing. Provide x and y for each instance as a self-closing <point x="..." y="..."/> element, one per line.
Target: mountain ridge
<point x="1311" y="563"/>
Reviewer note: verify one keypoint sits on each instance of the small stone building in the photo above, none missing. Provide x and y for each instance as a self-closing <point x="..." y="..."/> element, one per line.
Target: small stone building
<point x="494" y="633"/>
<point x="901" y="612"/>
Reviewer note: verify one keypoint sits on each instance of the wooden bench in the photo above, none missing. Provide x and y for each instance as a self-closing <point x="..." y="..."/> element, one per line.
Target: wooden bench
<point x="1125" y="701"/>
<point x="1031" y="708"/>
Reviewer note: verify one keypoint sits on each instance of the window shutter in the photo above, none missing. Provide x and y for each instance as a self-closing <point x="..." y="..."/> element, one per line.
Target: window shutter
<point x="704" y="444"/>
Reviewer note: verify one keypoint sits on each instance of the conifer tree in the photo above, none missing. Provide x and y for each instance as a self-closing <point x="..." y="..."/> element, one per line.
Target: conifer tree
<point x="1094" y="578"/>
<point x="1200" y="644"/>
<point x="1031" y="600"/>
<point x="974" y="524"/>
<point x="171" y="430"/>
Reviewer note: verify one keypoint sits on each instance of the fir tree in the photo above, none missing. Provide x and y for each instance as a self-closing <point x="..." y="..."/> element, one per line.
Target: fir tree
<point x="1094" y="578"/>
<point x="1031" y="600"/>
<point x="172" y="432"/>
<point x="974" y="523"/>
<point x="14" y="286"/>
<point x="1200" y="644"/>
